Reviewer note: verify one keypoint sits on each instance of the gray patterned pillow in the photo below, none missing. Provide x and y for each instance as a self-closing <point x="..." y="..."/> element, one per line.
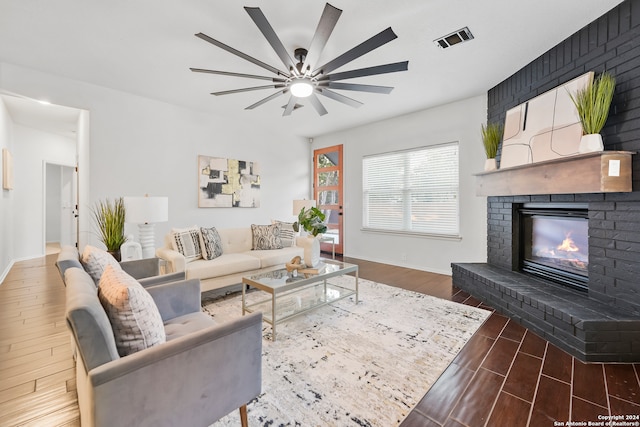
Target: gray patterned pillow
<point x="95" y="260"/>
<point x="210" y="242"/>
<point x="287" y="233"/>
<point x="266" y="237"/>
<point x="133" y="314"/>
<point x="187" y="242"/>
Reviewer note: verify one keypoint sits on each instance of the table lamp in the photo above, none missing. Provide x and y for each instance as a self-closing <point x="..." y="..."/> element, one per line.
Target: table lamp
<point x="146" y="212"/>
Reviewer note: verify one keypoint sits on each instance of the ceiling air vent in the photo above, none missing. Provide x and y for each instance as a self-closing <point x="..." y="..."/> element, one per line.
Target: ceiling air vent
<point x="456" y="37"/>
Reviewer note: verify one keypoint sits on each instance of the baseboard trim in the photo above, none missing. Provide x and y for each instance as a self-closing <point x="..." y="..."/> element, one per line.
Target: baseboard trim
<point x="6" y="271"/>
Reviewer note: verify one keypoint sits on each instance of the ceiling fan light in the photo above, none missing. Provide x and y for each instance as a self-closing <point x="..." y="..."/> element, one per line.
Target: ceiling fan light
<point x="301" y="88"/>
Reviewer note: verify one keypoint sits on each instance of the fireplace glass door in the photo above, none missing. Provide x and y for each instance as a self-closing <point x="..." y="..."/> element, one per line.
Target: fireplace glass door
<point x="554" y="245"/>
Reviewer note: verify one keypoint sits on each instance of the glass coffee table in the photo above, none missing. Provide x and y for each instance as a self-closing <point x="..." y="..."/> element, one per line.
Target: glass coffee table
<point x="291" y="295"/>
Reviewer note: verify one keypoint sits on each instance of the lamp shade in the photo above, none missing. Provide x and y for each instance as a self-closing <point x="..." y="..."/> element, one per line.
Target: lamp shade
<point x="146" y="210"/>
<point x="299" y="204"/>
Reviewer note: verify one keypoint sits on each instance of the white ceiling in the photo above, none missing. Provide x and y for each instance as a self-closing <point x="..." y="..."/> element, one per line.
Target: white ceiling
<point x="146" y="47"/>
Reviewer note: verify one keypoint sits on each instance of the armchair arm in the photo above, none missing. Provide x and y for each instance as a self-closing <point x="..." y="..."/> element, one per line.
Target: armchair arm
<point x="177" y="298"/>
<point x="192" y="380"/>
<point x="163" y="278"/>
<point x="141" y="268"/>
<point x="175" y="260"/>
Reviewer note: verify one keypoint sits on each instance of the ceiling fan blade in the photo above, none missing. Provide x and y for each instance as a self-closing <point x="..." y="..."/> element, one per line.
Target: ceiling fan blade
<point x="227" y="73"/>
<point x="263" y="25"/>
<point x="340" y="98"/>
<point x="246" y="89"/>
<point x="360" y="88"/>
<point x="369" y="71"/>
<point x="317" y="104"/>
<point x="267" y="99"/>
<point x="325" y="27"/>
<point x="289" y="108"/>
<point x="240" y="54"/>
<point x="365" y="47"/>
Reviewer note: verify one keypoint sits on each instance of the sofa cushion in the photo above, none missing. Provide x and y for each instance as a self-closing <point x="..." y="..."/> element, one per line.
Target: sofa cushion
<point x="210" y="243"/>
<point x="187" y="242"/>
<point x="95" y="260"/>
<point x="266" y="237"/>
<point x="187" y="324"/>
<point x="222" y="266"/>
<point x="287" y="233"/>
<point x="281" y="257"/>
<point x="133" y="314"/>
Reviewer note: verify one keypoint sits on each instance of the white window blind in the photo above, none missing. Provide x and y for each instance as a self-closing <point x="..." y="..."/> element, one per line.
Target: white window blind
<point x="412" y="191"/>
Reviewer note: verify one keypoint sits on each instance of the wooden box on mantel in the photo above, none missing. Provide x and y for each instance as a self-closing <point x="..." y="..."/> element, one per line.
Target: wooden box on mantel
<point x="599" y="172"/>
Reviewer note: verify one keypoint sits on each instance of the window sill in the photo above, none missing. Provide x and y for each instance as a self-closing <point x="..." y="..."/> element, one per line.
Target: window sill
<point x="453" y="237"/>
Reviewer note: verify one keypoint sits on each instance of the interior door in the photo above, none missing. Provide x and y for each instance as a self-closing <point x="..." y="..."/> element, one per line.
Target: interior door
<point x="327" y="185"/>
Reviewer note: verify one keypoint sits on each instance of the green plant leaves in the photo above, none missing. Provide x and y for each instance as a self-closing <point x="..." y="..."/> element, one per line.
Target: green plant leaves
<point x="491" y="135"/>
<point x="311" y="220"/>
<point x="593" y="103"/>
<point x="109" y="217"/>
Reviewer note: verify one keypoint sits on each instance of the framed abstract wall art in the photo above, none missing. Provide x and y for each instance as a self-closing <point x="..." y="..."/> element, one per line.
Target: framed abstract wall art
<point x="228" y="183"/>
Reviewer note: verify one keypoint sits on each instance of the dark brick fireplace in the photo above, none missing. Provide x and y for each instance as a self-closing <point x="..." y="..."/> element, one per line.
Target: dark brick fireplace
<point x="601" y="322"/>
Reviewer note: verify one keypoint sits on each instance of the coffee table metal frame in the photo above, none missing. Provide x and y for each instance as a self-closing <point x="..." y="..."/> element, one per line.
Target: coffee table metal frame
<point x="280" y="283"/>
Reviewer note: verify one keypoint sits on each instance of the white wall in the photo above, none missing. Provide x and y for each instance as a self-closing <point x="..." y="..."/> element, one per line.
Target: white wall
<point x="459" y="121"/>
<point x="53" y="197"/>
<point x="6" y="201"/>
<point x="142" y="146"/>
<point x="32" y="148"/>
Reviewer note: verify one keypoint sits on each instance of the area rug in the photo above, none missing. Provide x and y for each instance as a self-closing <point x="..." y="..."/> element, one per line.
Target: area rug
<point x="353" y="365"/>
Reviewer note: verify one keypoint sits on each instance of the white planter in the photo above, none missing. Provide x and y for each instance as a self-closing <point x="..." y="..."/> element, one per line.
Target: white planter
<point x="591" y="143"/>
<point x="311" y="247"/>
<point x="490" y="165"/>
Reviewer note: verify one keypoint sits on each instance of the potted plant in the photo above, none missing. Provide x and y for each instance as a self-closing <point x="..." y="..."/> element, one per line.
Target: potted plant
<point x="312" y="221"/>
<point x="592" y="103"/>
<point x="491" y="135"/>
<point x="109" y="218"/>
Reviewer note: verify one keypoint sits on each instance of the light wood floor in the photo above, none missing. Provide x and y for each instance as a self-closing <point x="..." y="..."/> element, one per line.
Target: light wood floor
<point x="37" y="377"/>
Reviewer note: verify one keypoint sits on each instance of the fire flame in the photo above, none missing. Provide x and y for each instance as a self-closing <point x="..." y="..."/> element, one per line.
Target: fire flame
<point x="568" y="245"/>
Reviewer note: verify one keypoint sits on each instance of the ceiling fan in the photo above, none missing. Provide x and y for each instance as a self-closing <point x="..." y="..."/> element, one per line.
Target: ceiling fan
<point x="305" y="79"/>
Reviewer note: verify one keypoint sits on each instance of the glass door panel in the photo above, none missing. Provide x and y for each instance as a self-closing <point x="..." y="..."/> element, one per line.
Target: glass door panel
<point x="328" y="194"/>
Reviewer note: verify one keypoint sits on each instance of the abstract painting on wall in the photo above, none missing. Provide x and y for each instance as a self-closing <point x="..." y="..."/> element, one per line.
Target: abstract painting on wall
<point x="546" y="127"/>
<point x="228" y="183"/>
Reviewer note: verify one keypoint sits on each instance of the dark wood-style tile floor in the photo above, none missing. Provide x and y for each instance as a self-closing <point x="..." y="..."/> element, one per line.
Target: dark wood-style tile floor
<point x="508" y="376"/>
<point x="504" y="376"/>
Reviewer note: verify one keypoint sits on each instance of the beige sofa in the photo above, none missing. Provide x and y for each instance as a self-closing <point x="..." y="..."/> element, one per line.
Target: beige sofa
<point x="237" y="259"/>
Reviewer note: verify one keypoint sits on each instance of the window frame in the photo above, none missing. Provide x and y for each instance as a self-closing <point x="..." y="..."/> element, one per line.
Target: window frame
<point x="407" y="191"/>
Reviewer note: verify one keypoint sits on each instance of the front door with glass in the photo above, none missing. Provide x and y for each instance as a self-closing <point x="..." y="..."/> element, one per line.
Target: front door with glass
<point x="327" y="185"/>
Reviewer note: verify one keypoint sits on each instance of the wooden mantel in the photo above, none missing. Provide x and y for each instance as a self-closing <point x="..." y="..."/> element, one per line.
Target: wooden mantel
<point x="600" y="172"/>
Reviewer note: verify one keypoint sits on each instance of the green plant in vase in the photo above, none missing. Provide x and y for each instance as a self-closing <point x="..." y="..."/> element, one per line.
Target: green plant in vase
<point x="312" y="221"/>
<point x="592" y="104"/>
<point x="491" y="136"/>
<point x="109" y="217"/>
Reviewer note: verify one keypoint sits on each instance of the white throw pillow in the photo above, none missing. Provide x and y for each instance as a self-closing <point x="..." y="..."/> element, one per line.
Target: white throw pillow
<point x="187" y="242"/>
<point x="134" y="316"/>
<point x="287" y="233"/>
<point x="95" y="260"/>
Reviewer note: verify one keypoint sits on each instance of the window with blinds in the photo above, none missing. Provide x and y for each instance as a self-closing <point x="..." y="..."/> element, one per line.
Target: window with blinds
<point x="413" y="191"/>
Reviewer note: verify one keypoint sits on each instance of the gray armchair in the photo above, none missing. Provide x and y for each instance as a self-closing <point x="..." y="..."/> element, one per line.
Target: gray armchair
<point x="146" y="271"/>
<point x="203" y="372"/>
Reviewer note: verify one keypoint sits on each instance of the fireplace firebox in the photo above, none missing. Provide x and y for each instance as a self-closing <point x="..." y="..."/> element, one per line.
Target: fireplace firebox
<point x="554" y="244"/>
